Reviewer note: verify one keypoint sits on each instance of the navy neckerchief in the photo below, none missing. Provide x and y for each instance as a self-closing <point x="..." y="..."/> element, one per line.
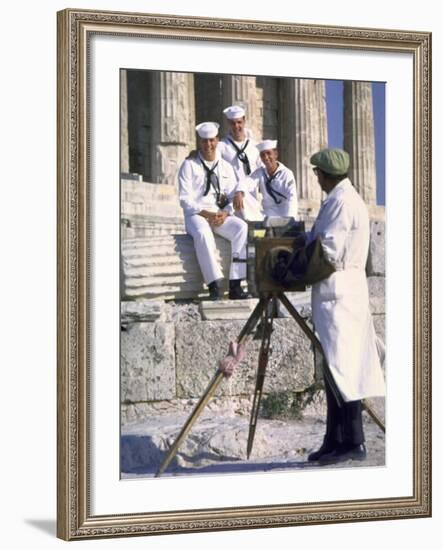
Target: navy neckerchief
<point x="272" y="192"/>
<point x="211" y="179"/>
<point x="241" y="155"/>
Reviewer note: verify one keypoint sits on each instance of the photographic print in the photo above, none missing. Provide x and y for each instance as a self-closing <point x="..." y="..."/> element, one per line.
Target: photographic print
<point x="226" y="233"/>
<point x="271" y="414"/>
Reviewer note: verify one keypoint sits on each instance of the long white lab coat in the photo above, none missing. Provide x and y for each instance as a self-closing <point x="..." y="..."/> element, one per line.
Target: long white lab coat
<point x="340" y="303"/>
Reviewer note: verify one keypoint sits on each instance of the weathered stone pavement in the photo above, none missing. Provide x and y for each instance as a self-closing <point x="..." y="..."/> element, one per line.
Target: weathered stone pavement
<point x="217" y="444"/>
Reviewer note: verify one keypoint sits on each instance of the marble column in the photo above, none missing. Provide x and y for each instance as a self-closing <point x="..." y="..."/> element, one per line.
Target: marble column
<point x="242" y="90"/>
<point x="173" y="124"/>
<point x="303" y="131"/>
<point x="359" y="139"/>
<point x="124" y="136"/>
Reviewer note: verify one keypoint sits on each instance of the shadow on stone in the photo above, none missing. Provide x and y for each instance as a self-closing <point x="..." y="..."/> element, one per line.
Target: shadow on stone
<point x="139" y="455"/>
<point x="242" y="467"/>
<point x="198" y="458"/>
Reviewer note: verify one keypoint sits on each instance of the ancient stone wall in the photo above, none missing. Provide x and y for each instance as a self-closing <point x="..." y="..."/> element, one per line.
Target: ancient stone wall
<point x="170" y="349"/>
<point x="169" y="354"/>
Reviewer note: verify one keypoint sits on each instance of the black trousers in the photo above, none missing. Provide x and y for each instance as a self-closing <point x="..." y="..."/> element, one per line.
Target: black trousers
<point x="344" y="425"/>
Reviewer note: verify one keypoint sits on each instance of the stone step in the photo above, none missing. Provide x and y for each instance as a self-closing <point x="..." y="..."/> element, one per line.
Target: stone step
<point x="155" y="229"/>
<point x="143" y="198"/>
<point x="166" y="267"/>
<point x="162" y="252"/>
<point x="175" y="272"/>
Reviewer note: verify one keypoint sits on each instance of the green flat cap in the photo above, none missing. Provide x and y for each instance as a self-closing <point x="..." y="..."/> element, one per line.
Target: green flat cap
<point x="332" y="161"/>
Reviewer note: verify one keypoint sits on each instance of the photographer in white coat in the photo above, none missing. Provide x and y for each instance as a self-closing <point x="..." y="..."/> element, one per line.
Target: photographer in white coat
<point x="340" y="310"/>
<point x="206" y="189"/>
<point x="273" y="180"/>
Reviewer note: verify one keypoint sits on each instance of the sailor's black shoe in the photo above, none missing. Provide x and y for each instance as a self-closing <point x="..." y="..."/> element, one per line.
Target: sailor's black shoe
<point x="214" y="291"/>
<point x="235" y="290"/>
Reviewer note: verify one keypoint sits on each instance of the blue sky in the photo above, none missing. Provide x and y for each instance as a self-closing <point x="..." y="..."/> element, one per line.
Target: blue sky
<point x="334" y="102"/>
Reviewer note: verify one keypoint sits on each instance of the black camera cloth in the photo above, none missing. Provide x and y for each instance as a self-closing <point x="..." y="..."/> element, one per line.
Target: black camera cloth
<point x="303" y="264"/>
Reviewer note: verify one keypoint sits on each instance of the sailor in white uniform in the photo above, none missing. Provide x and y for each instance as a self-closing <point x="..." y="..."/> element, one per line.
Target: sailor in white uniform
<point x="273" y="181"/>
<point x="239" y="149"/>
<point x="207" y="185"/>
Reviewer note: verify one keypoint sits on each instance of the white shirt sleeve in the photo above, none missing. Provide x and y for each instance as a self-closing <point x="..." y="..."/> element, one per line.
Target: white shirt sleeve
<point x="186" y="190"/>
<point x="229" y="186"/>
<point x="290" y="206"/>
<point x="290" y="187"/>
<point x="249" y="184"/>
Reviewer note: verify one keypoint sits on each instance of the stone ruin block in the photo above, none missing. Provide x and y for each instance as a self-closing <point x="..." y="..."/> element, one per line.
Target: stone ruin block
<point x="376" y="258"/>
<point x="147" y="362"/>
<point x="200" y="346"/>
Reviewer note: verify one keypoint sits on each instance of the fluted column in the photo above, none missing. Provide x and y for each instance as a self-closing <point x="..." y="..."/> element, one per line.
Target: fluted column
<point x="319" y="98"/>
<point x="359" y="139"/>
<point x="243" y="90"/>
<point x="303" y="131"/>
<point x="173" y="123"/>
<point x="124" y="135"/>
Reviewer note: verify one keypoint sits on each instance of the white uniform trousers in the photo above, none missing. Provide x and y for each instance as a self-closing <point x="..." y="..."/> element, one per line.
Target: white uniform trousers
<point x="233" y="229"/>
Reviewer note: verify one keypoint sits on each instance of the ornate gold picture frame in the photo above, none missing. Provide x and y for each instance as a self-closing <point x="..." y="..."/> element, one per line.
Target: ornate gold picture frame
<point x="76" y="516"/>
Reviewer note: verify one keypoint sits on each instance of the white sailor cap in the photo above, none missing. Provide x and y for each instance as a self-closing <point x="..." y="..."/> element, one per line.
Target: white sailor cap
<point x="267" y="144"/>
<point x="207" y="130"/>
<point x="234" y="111"/>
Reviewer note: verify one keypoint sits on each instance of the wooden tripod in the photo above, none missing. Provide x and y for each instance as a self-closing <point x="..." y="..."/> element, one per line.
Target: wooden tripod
<point x="263" y="309"/>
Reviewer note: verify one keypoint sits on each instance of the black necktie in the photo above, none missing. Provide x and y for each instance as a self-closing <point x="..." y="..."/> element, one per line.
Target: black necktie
<point x="211" y="179"/>
<point x="242" y="156"/>
<point x="270" y="191"/>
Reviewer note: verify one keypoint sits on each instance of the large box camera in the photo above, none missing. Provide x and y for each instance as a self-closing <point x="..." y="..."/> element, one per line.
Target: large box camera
<point x="263" y="237"/>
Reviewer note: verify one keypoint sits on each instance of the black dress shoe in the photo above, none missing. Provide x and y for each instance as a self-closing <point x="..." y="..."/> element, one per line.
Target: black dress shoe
<point x="324" y="449"/>
<point x="214" y="291"/>
<point x="343" y="453"/>
<point x="236" y="292"/>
